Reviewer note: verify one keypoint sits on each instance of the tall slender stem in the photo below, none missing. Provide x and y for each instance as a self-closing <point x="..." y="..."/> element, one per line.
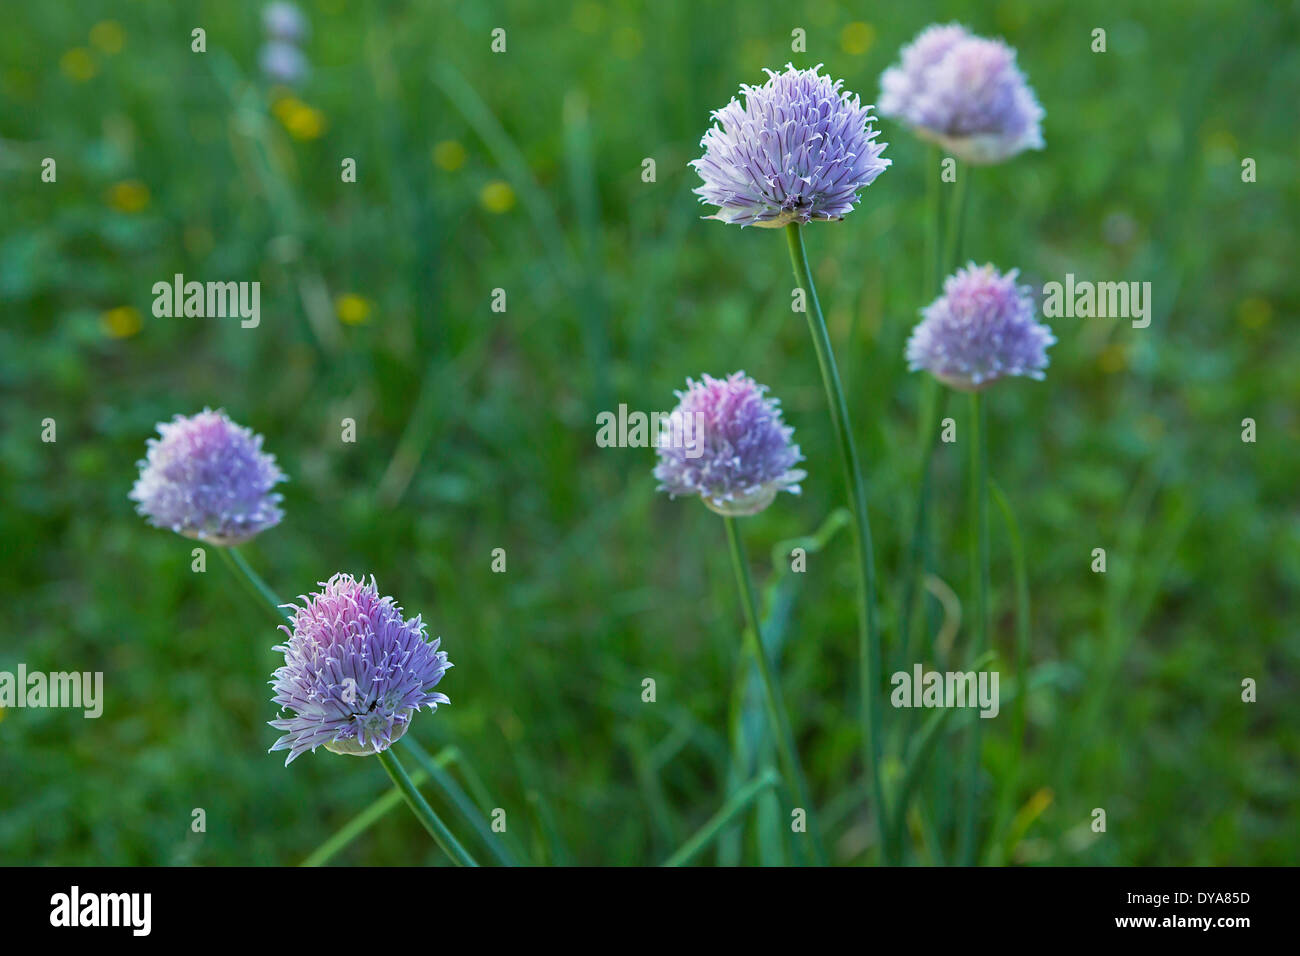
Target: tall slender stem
<point x="933" y="400"/>
<point x="244" y="571"/>
<point x="359" y="824"/>
<point x="938" y="258"/>
<point x="868" y="633"/>
<point x="979" y="583"/>
<point x="932" y="271"/>
<point x="458" y="798"/>
<point x="776" y="713"/>
<point x="1011" y="781"/>
<point x="952" y="247"/>
<point x="423" y="812"/>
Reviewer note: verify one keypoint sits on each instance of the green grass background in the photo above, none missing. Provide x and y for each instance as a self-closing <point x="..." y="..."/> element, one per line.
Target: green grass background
<point x="476" y="430"/>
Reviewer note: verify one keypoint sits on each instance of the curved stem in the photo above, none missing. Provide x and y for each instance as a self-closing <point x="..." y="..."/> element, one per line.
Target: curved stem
<point x="243" y="570"/>
<point x="979" y="583"/>
<point x="868" y="633"/>
<point x="458" y="798"/>
<point x="776" y="712"/>
<point x="358" y="825"/>
<point x="423" y="812"/>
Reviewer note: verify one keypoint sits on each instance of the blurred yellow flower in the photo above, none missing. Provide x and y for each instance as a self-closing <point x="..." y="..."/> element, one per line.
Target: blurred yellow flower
<point x="78" y="65"/>
<point x="306" y="123"/>
<point x="284" y="104"/>
<point x="352" y="309"/>
<point x="856" y="38"/>
<point x="108" y="35"/>
<point x="1254" y="312"/>
<point x="497" y="196"/>
<point x="449" y="155"/>
<point x="130" y="195"/>
<point x="120" y="323"/>
<point x="1113" y="358"/>
<point x="301" y="120"/>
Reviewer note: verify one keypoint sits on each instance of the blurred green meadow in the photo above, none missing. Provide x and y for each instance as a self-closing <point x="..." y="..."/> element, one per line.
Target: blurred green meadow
<point x="475" y="429"/>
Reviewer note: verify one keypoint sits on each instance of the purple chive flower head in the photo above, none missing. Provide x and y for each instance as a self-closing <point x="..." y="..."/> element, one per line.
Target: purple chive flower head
<point x="981" y="329"/>
<point x="284" y="21"/>
<point x="207" y="478"/>
<point x="736" y="453"/>
<point x="355" y="670"/>
<point x="799" y="149"/>
<point x="965" y="93"/>
<point x="283" y="63"/>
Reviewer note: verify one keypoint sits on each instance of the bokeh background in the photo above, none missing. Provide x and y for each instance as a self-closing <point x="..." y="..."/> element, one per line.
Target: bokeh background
<point x="476" y="430"/>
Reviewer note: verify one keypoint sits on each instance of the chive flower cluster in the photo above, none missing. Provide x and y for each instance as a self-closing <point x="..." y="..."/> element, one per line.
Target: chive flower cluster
<point x="798" y="149"/>
<point x="356" y="669"/>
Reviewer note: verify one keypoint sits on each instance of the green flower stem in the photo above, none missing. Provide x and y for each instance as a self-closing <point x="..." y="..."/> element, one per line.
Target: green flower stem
<point x="979" y="583"/>
<point x="955" y="239"/>
<point x="460" y="800"/>
<point x="776" y="712"/>
<point x="741" y="799"/>
<point x="1010" y="782"/>
<point x="359" y="824"/>
<point x="258" y="588"/>
<point x="423" y="812"/>
<point x="933" y="396"/>
<point x="931" y="272"/>
<point x="868" y="632"/>
<point x="933" y="400"/>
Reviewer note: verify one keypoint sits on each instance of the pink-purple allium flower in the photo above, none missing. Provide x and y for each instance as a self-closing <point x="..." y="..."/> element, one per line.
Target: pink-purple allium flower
<point x="983" y="328"/>
<point x="355" y="671"/>
<point x="208" y="478"/>
<point x="965" y="93"/>
<point x="740" y="454"/>
<point x="799" y="149"/>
